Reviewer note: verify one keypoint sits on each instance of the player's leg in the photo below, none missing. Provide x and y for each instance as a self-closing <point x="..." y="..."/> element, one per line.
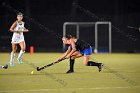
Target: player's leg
<point x="87" y="53"/>
<point x="22" y="51"/>
<point x="91" y="63"/>
<point x="14" y="48"/>
<point x="72" y="60"/>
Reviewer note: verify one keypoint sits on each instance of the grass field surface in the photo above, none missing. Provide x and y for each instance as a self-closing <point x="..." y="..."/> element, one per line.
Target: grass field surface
<point x="121" y="74"/>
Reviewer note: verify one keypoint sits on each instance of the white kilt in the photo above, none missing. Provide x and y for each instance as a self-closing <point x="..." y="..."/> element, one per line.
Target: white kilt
<point x="17" y="38"/>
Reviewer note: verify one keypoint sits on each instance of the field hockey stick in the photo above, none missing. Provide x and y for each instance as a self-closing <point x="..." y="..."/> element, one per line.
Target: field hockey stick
<point x="132" y="27"/>
<point x="41" y="68"/>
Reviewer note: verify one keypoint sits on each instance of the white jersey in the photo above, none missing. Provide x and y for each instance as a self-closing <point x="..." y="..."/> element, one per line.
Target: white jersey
<point x="18" y="37"/>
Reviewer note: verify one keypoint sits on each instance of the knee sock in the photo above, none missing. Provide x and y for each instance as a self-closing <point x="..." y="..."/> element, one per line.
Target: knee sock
<point x="12" y="57"/>
<point x="20" y="54"/>
<point x="91" y="63"/>
<point x="72" y="64"/>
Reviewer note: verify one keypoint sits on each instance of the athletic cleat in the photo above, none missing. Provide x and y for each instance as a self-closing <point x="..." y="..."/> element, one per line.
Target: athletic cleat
<point x="19" y="61"/>
<point x="70" y="71"/>
<point x="100" y="67"/>
<point x="5" y="67"/>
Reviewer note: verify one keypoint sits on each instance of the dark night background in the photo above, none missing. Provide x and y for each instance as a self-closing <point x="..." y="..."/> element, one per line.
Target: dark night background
<point x="53" y="13"/>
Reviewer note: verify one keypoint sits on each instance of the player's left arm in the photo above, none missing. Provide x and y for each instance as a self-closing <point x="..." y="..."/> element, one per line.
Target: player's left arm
<point x="73" y="48"/>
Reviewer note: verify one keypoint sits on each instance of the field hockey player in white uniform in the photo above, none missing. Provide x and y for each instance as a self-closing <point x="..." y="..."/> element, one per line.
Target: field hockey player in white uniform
<point x="18" y="38"/>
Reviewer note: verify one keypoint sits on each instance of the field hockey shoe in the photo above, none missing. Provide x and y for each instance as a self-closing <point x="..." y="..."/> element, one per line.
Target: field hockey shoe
<point x="5" y="67"/>
<point x="19" y="61"/>
<point x="70" y="71"/>
<point x="100" y="67"/>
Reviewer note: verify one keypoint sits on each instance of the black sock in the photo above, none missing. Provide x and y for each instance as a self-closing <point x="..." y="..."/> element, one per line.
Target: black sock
<point x="91" y="63"/>
<point x="72" y="64"/>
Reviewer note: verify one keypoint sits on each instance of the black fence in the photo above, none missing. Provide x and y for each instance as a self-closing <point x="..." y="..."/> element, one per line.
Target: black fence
<point x="45" y="18"/>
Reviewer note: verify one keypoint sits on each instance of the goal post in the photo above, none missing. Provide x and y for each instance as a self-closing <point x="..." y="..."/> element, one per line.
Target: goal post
<point x="96" y="35"/>
<point x="95" y="30"/>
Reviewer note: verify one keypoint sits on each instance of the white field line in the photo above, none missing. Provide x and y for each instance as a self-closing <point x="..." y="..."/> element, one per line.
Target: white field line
<point x="95" y="88"/>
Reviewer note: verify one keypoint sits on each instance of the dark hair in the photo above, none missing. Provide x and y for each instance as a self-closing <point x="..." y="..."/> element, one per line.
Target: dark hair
<point x="69" y="36"/>
<point x="19" y="14"/>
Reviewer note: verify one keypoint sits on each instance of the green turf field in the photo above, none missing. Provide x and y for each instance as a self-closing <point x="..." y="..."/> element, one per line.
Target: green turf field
<point x="121" y="74"/>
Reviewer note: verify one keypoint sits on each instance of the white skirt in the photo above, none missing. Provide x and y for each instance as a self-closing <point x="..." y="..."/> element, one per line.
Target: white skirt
<point x="17" y="38"/>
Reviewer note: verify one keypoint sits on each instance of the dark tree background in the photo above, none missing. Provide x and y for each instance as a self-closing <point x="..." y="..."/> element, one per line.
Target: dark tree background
<point x="53" y="13"/>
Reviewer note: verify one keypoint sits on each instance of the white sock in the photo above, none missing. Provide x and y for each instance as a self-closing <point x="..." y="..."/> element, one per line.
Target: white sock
<point x="20" y="54"/>
<point x="12" y="57"/>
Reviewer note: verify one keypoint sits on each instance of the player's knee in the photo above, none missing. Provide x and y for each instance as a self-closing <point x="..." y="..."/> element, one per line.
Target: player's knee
<point x="23" y="49"/>
<point x="72" y="57"/>
<point x="14" y="51"/>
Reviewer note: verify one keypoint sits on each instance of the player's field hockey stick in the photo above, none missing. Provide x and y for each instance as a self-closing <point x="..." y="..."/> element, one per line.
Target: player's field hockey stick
<point x="41" y="68"/>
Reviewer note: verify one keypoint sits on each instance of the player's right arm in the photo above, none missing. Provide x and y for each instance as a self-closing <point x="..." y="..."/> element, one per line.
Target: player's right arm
<point x="66" y="53"/>
<point x="13" y="26"/>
